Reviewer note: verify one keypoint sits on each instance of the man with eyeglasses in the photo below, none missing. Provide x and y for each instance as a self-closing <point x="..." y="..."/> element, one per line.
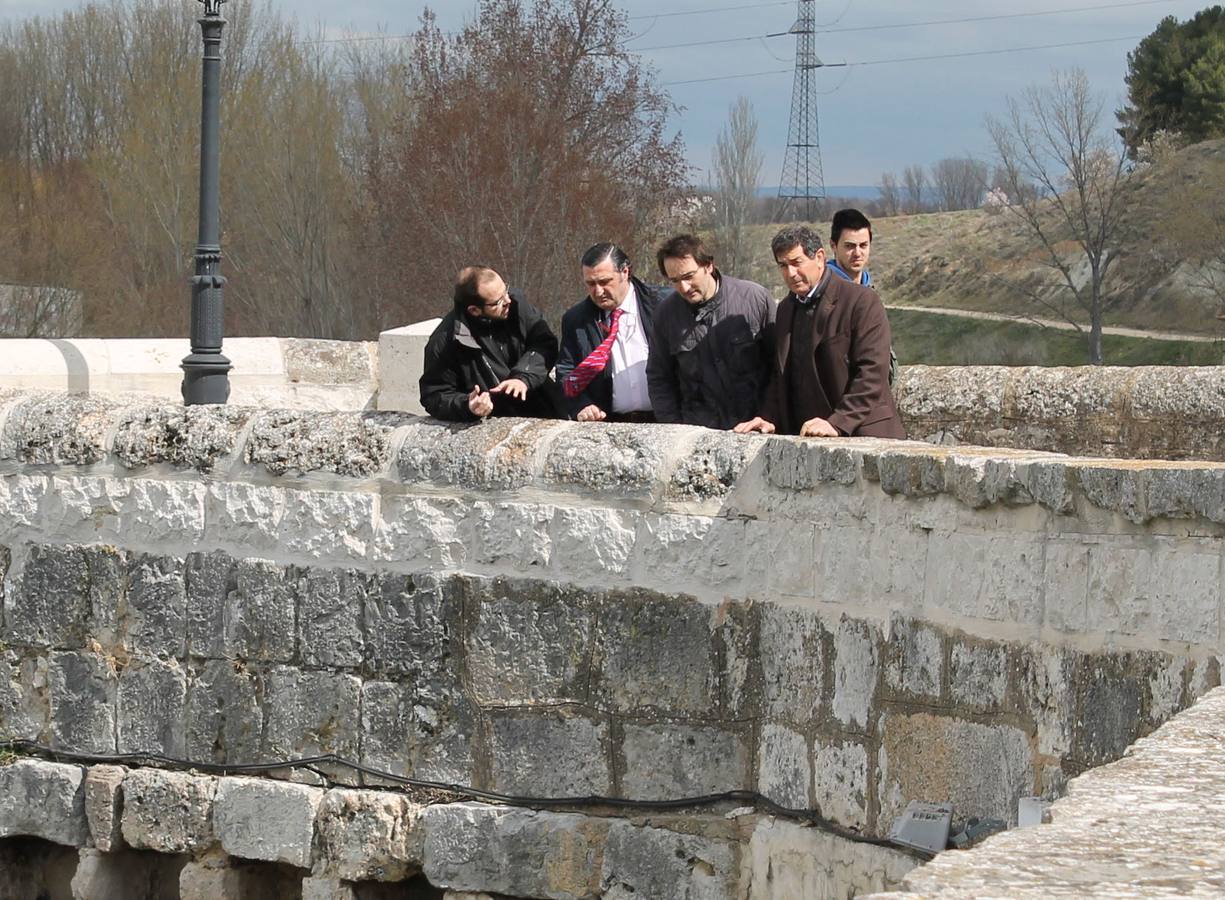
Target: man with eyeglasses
<point x="605" y="340"/>
<point x="490" y="356"/>
<point x="714" y="341"/>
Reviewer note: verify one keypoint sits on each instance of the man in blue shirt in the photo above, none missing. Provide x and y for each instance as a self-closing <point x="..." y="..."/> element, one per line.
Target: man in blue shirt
<point x="850" y="235"/>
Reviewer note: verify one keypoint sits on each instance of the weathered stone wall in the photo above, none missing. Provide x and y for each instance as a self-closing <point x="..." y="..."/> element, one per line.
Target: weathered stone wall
<point x="1150" y="825"/>
<point x="550" y="608"/>
<point x="1142" y="412"/>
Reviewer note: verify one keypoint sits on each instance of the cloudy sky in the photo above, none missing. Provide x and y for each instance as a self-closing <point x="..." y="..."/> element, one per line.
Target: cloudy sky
<point x="896" y="103"/>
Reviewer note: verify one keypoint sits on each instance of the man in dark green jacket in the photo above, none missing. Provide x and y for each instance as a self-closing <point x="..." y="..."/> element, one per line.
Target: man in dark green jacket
<point x="490" y="356"/>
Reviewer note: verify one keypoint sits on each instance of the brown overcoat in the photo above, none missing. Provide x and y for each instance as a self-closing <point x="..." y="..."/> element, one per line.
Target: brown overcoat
<point x="851" y="358"/>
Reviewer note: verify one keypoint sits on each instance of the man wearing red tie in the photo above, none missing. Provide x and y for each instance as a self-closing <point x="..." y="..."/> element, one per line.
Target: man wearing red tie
<point x="605" y="339"/>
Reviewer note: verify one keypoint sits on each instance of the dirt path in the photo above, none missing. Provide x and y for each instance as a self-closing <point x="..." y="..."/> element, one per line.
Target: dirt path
<point x="1056" y="323"/>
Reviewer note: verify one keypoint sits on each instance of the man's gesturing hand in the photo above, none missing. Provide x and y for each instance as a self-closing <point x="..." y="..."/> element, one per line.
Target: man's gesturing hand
<point x="480" y="404"/>
<point x="591" y="413"/>
<point x="512" y="387"/>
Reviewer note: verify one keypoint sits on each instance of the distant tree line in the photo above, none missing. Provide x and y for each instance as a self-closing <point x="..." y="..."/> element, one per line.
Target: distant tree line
<point x="357" y="177"/>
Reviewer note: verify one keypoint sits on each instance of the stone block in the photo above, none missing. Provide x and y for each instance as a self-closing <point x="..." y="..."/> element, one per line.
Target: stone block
<point x="654" y="862"/>
<point x="186" y="437"/>
<point x="224" y="719"/>
<point x="259" y="818"/>
<point x="992" y="577"/>
<point x="61" y="429"/>
<point x="840" y="785"/>
<point x="154" y="618"/>
<point x="1066" y="586"/>
<point x="698" y="554"/>
<point x="316" y="888"/>
<point x="1042" y="683"/>
<point x="981" y="769"/>
<point x="249" y="515"/>
<point x="428" y="735"/>
<point x="21" y="498"/>
<point x="104" y="806"/>
<point x="712" y="465"/>
<point x="412" y="628"/>
<point x="43" y="800"/>
<point x="856" y="666"/>
<point x="1105" y="712"/>
<point x="152" y="697"/>
<point x="795" y="465"/>
<point x="654" y="654"/>
<point x="548" y="753"/>
<point x="784" y="770"/>
<point x="612" y="459"/>
<point x="330" y="605"/>
<point x="326" y="524"/>
<point x="1185" y="589"/>
<point x="124" y="875"/>
<point x="591" y="541"/>
<point x="429" y="529"/>
<point x="494" y="455"/>
<point x="792" y="655"/>
<point x="978" y="675"/>
<point x="309" y="713"/>
<point x="217" y="877"/>
<point x="82" y="702"/>
<point x="667" y="761"/>
<point x="914" y="659"/>
<point x="512" y="535"/>
<point x="259" y="613"/>
<point x="898" y="553"/>
<point x="291" y="442"/>
<point x="369" y="836"/>
<point x="24" y="710"/>
<point x="529" y="642"/>
<point x="170" y="812"/>
<point x="521" y="852"/>
<point x="782" y="555"/>
<point x="208" y="581"/>
<point x="49" y="605"/>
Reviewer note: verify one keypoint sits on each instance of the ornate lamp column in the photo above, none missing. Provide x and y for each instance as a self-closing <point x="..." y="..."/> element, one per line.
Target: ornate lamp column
<point x="205" y="370"/>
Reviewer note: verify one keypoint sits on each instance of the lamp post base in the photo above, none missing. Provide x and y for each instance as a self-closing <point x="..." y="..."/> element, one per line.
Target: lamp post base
<point x="205" y="379"/>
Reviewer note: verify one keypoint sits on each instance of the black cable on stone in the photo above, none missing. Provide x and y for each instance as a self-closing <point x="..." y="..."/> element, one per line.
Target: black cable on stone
<point x="312" y="763"/>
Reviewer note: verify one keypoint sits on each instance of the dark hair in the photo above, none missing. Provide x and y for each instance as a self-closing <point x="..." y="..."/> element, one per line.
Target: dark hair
<point x="845" y="219"/>
<point x="808" y="239"/>
<point x="597" y="253"/>
<point x="469" y="279"/>
<point x="680" y="246"/>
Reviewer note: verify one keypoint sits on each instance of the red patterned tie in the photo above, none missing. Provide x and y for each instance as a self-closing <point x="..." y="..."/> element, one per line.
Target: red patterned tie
<point x="586" y="371"/>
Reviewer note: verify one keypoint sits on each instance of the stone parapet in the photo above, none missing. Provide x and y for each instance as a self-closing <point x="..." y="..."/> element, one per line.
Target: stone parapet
<point x="1144" y="412"/>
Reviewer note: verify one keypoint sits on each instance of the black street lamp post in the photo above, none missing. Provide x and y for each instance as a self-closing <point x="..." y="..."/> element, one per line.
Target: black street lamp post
<point x="205" y="370"/>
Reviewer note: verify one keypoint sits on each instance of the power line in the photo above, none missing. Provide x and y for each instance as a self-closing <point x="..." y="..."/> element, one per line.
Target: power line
<point x="970" y="19"/>
<point x="360" y="39"/>
<point x="905" y="59"/>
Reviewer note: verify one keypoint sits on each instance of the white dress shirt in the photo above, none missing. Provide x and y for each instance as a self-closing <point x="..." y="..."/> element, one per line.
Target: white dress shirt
<point x="629" y="359"/>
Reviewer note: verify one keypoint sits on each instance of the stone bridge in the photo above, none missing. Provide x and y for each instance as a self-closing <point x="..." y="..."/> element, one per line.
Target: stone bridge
<point x="595" y="644"/>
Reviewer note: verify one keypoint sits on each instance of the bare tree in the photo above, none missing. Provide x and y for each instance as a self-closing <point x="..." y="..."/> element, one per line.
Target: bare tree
<point x="890" y="195"/>
<point x="535" y="134"/>
<point x="914" y="178"/>
<point x="1053" y="137"/>
<point x="737" y="170"/>
<point x="959" y="182"/>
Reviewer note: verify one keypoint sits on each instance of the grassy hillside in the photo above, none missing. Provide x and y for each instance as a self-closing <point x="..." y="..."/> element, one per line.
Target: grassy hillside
<point x="940" y="340"/>
<point x="974" y="260"/>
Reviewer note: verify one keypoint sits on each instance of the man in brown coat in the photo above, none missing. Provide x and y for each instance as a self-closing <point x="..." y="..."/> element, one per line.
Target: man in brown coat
<point x="830" y="376"/>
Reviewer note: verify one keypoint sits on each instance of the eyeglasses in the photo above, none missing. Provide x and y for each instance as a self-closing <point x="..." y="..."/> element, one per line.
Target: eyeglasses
<point x="505" y="298"/>
<point x="688" y="276"/>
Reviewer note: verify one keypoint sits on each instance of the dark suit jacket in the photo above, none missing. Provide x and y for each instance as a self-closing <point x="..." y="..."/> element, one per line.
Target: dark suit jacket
<point x="581" y="333"/>
<point x="462" y="354"/>
<point x="851" y="357"/>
